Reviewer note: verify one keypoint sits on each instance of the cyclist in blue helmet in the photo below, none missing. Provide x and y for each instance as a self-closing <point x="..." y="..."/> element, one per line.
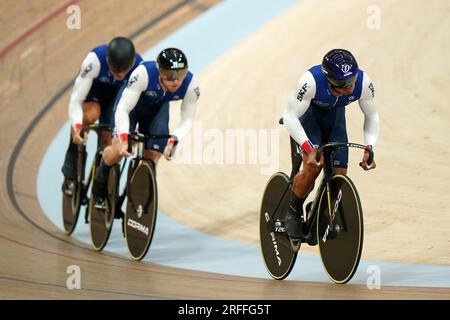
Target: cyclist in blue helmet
<point x="315" y="115"/>
<point x="341" y="71"/>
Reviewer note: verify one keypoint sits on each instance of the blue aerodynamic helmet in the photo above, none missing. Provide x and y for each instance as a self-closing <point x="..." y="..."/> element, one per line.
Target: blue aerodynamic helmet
<point x="340" y="68"/>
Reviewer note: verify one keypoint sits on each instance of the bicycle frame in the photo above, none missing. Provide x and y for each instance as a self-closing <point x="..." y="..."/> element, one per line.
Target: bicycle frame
<point x="327" y="150"/>
<point x="98" y="128"/>
<point x="140" y="139"/>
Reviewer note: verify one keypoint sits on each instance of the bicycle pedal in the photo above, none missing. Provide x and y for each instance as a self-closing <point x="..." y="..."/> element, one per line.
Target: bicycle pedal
<point x="311" y="240"/>
<point x="119" y="214"/>
<point x="100" y="206"/>
<point x="68" y="190"/>
<point x="332" y="234"/>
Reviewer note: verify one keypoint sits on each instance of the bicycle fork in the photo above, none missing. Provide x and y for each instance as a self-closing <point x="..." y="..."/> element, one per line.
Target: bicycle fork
<point x="328" y="173"/>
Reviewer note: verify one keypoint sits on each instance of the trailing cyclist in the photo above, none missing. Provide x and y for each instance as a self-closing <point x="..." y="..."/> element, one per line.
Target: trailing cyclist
<point x="103" y="71"/>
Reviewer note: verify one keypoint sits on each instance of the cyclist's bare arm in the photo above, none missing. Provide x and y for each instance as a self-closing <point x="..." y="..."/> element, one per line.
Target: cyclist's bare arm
<point x="90" y="69"/>
<point x="371" y="118"/>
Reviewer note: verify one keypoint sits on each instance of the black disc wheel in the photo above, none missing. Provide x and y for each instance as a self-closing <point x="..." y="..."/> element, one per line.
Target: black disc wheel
<point x="340" y="234"/>
<point x="279" y="257"/>
<point x="71" y="208"/>
<point x="142" y="205"/>
<point x="101" y="220"/>
<point x="71" y="203"/>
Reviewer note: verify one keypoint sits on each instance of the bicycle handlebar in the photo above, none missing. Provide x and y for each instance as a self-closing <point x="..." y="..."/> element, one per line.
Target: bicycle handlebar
<point x="339" y="145"/>
<point x="140" y="137"/>
<point x="97" y="127"/>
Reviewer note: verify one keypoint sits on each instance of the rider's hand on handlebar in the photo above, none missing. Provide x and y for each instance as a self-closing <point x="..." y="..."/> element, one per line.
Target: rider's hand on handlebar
<point x="76" y="135"/>
<point x="363" y="164"/>
<point x="169" y="151"/>
<point x="309" y="160"/>
<point x="123" y="149"/>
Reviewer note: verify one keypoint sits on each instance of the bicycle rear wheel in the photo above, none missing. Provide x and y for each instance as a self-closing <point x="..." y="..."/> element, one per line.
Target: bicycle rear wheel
<point x="340" y="250"/>
<point x="71" y="203"/>
<point x="101" y="221"/>
<point x="279" y="257"/>
<point x="142" y="205"/>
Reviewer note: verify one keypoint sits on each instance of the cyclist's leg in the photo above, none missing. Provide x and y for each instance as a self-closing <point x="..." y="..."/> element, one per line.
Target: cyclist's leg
<point x="106" y="119"/>
<point x="91" y="112"/>
<point x="108" y="108"/>
<point x="304" y="180"/>
<point x="339" y="133"/>
<point x="99" y="187"/>
<point x="69" y="169"/>
<point x="111" y="154"/>
<point x="156" y="124"/>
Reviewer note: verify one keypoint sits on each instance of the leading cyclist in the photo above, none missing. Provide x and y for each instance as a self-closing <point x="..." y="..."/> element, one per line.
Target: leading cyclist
<point x="315" y="115"/>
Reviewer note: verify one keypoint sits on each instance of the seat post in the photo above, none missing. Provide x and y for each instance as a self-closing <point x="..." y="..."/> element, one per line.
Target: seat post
<point x="140" y="150"/>
<point x="296" y="158"/>
<point x="296" y="155"/>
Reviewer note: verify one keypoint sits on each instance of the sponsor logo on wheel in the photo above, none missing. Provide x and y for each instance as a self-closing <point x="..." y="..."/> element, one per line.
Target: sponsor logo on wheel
<point x="275" y="247"/>
<point x="136" y="225"/>
<point x="336" y="206"/>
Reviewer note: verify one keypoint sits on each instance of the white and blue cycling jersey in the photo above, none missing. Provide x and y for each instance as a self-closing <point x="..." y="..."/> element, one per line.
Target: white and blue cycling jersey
<point x="314" y="114"/>
<point x="145" y="102"/>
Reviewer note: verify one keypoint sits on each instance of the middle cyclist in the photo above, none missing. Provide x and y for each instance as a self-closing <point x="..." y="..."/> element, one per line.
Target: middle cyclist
<point x="145" y="101"/>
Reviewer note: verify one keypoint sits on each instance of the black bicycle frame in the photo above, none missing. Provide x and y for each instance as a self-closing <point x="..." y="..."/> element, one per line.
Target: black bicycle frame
<point x="98" y="128"/>
<point x="327" y="150"/>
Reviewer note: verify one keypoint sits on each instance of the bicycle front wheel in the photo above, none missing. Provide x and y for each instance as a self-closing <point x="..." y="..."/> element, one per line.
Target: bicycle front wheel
<point x="71" y="203"/>
<point x="341" y="235"/>
<point x="142" y="205"/>
<point x="101" y="221"/>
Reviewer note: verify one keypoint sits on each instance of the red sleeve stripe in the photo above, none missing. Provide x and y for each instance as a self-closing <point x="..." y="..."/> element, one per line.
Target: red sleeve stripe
<point x="123" y="137"/>
<point x="307" y="146"/>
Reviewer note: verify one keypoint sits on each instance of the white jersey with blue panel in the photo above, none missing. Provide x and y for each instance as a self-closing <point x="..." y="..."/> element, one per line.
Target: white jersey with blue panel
<point x="144" y="88"/>
<point x="93" y="68"/>
<point x="154" y="93"/>
<point x="313" y="92"/>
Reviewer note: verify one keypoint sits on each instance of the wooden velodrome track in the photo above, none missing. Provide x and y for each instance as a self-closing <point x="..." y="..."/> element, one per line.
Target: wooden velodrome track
<point x="405" y="199"/>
